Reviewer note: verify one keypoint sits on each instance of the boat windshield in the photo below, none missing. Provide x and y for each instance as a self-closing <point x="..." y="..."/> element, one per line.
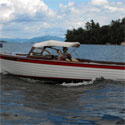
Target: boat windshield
<point x="44" y="52"/>
<point x="52" y="53"/>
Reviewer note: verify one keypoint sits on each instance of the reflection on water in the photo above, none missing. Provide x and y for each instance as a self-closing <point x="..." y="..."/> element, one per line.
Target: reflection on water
<point x="32" y="102"/>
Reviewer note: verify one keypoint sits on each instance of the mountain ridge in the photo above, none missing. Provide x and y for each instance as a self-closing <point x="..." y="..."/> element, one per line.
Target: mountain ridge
<point x="34" y="39"/>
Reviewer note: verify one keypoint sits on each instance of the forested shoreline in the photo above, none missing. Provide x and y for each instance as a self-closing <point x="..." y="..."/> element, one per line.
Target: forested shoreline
<point x="93" y="33"/>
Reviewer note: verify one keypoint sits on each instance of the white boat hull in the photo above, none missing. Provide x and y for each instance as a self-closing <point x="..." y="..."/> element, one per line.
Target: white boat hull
<point x="59" y="72"/>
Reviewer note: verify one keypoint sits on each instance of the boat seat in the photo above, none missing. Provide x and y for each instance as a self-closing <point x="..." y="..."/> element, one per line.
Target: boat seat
<point x="67" y="59"/>
<point x="75" y="60"/>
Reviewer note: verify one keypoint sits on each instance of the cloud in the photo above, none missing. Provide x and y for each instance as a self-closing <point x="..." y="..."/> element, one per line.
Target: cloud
<point x="70" y="4"/>
<point x="115" y="9"/>
<point x="6" y="11"/>
<point x="99" y="2"/>
<point x="112" y="8"/>
<point x="102" y="11"/>
<point x="30" y="18"/>
<point x="1" y="27"/>
<point x="18" y="9"/>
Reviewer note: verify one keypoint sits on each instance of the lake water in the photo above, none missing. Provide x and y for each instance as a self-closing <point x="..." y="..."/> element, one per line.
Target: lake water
<point x="34" y="102"/>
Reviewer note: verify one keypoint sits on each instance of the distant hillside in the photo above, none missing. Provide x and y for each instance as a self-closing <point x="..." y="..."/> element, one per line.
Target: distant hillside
<point x="13" y="39"/>
<point x="45" y="38"/>
<point x="35" y="39"/>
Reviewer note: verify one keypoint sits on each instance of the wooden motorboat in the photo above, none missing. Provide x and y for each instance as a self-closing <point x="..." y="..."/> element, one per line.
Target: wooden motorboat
<point x="41" y="63"/>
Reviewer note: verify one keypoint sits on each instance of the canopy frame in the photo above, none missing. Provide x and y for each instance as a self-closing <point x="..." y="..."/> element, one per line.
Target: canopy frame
<point x="55" y="43"/>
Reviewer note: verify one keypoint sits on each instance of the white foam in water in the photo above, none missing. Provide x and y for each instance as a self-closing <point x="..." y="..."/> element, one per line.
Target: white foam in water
<point x="4" y="72"/>
<point x="29" y="80"/>
<point x="79" y="83"/>
<point x="34" y="80"/>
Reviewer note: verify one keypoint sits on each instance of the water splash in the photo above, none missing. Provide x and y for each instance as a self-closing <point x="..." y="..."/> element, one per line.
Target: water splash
<point x="93" y="81"/>
<point x="29" y="80"/>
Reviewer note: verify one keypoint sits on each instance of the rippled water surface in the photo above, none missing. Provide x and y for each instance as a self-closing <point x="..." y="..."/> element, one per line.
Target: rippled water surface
<point x="34" y="102"/>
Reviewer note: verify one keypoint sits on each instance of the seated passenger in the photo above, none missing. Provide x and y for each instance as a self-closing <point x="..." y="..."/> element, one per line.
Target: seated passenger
<point x="60" y="56"/>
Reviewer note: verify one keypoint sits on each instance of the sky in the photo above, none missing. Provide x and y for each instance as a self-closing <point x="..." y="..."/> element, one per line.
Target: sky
<point x="35" y="18"/>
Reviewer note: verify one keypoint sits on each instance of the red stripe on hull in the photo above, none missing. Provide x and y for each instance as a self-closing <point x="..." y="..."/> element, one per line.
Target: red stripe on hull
<point x="62" y="63"/>
<point x="73" y="64"/>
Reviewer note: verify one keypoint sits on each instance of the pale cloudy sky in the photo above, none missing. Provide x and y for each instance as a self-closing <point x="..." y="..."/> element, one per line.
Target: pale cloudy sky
<point x="33" y="18"/>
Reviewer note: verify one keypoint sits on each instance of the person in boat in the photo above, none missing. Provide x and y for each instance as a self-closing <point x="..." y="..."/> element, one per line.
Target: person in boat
<point x="60" y="56"/>
<point x="66" y="55"/>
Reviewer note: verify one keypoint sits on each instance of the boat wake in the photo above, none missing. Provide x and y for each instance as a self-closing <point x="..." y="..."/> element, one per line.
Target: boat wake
<point x="84" y="83"/>
<point x="29" y="80"/>
<point x="65" y="84"/>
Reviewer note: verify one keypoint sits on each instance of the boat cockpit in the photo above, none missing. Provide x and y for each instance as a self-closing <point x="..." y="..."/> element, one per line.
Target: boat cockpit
<point x="50" y="53"/>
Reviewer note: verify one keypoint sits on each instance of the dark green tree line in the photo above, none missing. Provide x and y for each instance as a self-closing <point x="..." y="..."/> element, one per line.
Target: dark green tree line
<point x="93" y="33"/>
